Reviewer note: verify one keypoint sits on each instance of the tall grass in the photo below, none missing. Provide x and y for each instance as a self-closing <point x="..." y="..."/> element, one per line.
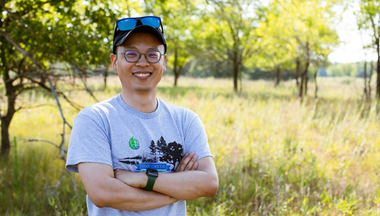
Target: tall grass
<point x="274" y="155"/>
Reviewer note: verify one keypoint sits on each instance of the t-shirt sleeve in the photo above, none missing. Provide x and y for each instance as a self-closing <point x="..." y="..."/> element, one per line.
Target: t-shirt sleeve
<point x="89" y="141"/>
<point x="196" y="138"/>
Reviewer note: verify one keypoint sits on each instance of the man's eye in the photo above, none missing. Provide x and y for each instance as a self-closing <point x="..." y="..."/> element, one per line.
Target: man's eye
<point x="153" y="54"/>
<point x="131" y="54"/>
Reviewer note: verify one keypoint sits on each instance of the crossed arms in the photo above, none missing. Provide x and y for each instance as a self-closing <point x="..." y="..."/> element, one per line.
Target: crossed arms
<point x="121" y="189"/>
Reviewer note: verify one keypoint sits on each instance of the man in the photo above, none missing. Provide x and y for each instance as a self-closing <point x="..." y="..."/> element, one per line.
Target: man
<point x="136" y="154"/>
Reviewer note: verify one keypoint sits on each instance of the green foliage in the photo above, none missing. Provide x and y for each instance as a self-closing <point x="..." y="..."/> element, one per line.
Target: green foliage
<point x="368" y="16"/>
<point x="278" y="46"/>
<point x="65" y="38"/>
<point x="228" y="33"/>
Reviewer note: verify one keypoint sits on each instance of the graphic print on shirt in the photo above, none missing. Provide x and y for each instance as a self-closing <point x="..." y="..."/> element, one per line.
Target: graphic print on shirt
<point x="134" y="144"/>
<point x="162" y="156"/>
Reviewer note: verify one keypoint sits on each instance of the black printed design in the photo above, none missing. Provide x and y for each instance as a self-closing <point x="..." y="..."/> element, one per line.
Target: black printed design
<point x="161" y="152"/>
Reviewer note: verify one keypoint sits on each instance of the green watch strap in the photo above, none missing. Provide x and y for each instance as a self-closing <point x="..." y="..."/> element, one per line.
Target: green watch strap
<point x="149" y="185"/>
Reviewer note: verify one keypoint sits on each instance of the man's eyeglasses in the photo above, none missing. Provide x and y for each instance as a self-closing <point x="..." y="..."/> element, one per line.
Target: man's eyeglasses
<point x="134" y="55"/>
<point x="130" y="23"/>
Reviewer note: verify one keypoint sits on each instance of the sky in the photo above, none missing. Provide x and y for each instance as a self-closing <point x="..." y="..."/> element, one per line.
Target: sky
<point x="350" y="50"/>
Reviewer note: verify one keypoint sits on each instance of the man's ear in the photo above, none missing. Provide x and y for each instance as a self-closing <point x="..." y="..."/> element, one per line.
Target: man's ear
<point x="164" y="63"/>
<point x="114" y="59"/>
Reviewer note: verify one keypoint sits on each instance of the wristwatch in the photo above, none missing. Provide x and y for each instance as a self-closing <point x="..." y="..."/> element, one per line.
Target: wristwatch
<point x="152" y="175"/>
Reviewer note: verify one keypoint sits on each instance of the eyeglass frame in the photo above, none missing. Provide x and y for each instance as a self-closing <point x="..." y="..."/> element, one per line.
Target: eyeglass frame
<point x="140" y="54"/>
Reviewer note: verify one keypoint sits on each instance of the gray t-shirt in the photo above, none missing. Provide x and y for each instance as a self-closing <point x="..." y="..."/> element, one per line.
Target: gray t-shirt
<point x="113" y="133"/>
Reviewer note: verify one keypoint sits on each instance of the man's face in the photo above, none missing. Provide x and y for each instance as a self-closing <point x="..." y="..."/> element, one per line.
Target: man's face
<point x="140" y="76"/>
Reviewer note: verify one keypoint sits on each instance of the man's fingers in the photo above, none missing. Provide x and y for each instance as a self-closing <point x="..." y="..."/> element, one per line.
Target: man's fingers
<point x="195" y="166"/>
<point x="187" y="162"/>
<point x="191" y="163"/>
<point x="178" y="169"/>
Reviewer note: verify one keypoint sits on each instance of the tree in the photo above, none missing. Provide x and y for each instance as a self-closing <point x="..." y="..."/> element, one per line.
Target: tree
<point x="277" y="50"/>
<point x="18" y="72"/>
<point x="369" y="19"/>
<point x="310" y="33"/>
<point x="229" y="33"/>
<point x="50" y="32"/>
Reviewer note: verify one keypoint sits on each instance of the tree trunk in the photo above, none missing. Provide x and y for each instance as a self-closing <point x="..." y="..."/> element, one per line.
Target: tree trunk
<point x="306" y="80"/>
<point x="5" y="144"/>
<point x="316" y="83"/>
<point x="235" y="75"/>
<point x="365" y="80"/>
<point x="241" y="81"/>
<point x="175" y="69"/>
<point x="10" y="92"/>
<point x="105" y="78"/>
<point x="175" y="79"/>
<point x="6" y="119"/>
<point x="369" y="81"/>
<point x="378" y="69"/>
<point x="277" y="76"/>
<point x="300" y="87"/>
<point x="303" y="83"/>
<point x="298" y="63"/>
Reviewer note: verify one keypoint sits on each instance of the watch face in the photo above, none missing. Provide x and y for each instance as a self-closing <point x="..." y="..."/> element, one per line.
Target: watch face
<point x="152" y="172"/>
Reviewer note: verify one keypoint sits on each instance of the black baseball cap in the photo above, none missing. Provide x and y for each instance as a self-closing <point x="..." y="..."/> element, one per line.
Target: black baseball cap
<point x="139" y="25"/>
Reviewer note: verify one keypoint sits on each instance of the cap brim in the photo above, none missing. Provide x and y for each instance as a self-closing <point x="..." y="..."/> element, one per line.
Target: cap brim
<point x="143" y="28"/>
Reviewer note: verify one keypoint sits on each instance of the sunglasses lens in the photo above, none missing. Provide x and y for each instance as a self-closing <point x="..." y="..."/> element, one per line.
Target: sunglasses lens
<point x="151" y="21"/>
<point x="126" y="24"/>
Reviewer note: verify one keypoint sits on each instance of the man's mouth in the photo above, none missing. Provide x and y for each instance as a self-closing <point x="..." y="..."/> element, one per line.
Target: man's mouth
<point x="142" y="75"/>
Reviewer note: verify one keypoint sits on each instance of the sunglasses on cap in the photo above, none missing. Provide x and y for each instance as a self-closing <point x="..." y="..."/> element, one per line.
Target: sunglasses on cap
<point x="128" y="24"/>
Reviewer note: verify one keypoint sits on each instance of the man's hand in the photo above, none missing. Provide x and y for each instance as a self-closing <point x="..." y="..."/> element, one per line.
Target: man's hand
<point x="188" y="162"/>
<point x="133" y="179"/>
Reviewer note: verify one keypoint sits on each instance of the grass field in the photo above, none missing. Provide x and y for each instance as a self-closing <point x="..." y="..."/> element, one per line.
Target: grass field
<point x="274" y="155"/>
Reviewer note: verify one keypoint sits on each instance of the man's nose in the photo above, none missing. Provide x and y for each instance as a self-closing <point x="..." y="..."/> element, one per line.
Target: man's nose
<point x="142" y="61"/>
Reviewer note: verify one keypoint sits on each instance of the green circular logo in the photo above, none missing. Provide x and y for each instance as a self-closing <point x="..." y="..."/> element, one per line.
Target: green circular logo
<point x="134" y="143"/>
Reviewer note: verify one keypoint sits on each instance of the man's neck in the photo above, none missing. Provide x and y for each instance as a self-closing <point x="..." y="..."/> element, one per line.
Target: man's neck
<point x="146" y="103"/>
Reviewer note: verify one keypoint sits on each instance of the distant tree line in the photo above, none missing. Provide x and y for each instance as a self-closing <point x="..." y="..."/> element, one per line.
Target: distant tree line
<point x="204" y="68"/>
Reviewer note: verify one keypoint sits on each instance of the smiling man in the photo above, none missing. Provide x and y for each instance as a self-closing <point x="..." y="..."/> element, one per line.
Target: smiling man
<point x="136" y="154"/>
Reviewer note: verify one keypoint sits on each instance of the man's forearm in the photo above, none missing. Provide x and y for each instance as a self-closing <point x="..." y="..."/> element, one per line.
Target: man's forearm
<point x="125" y="197"/>
<point x="187" y="185"/>
<point x="106" y="191"/>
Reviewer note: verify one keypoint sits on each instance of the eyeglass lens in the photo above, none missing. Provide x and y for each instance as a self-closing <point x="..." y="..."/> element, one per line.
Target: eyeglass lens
<point x="134" y="56"/>
<point x="130" y="23"/>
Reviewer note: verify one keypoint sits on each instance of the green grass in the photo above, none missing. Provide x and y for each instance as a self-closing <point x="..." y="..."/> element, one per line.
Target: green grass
<point x="274" y="155"/>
